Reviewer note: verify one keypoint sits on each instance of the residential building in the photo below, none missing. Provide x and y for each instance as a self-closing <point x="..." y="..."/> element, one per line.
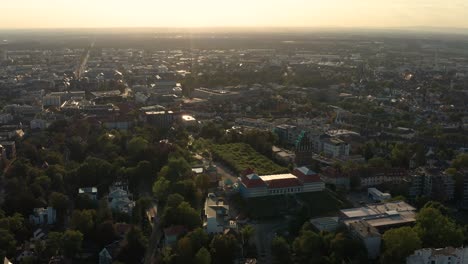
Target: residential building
<point x="160" y="119"/>
<point x="215" y="214"/>
<point x="5" y="118"/>
<point x="39" y="124"/>
<point x="433" y="183"/>
<point x="378" y="176"/>
<point x="369" y="235"/>
<point x="43" y="216"/>
<point x="301" y="180"/>
<point x="120" y="200"/>
<point x="335" y="147"/>
<point x="448" y="255"/>
<point x="10" y="149"/>
<point x="287" y="134"/>
<point x="465" y="190"/>
<point x="91" y="192"/>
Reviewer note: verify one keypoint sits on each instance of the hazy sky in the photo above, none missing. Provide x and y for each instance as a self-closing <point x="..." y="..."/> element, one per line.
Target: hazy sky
<point x="234" y="13"/>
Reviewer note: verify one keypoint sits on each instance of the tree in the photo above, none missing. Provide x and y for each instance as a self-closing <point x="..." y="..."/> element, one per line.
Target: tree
<point x="199" y="238"/>
<point x="176" y="169"/>
<point x="161" y="188"/>
<point x="307" y="246"/>
<point x="7" y="243"/>
<point x="58" y="201"/>
<point x="174" y="200"/>
<point x="105" y="233"/>
<point x="134" y="249"/>
<point x="399" y="243"/>
<point x="136" y="146"/>
<point x="185" y="250"/>
<point x="461" y="161"/>
<point x="54" y="243"/>
<point x="83" y="220"/>
<point x="71" y="242"/>
<point x="247" y="233"/>
<point x="202" y="182"/>
<point x="436" y="230"/>
<point x="203" y="256"/>
<point x="281" y="251"/>
<point x="183" y="214"/>
<point x="223" y="249"/>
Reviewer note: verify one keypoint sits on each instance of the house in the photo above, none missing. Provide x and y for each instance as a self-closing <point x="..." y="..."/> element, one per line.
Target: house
<point x="108" y="253"/>
<point x="91" y="192"/>
<point x="105" y="257"/>
<point x="43" y="216"/>
<point x="172" y="233"/>
<point x="369" y="235"/>
<point x="120" y="200"/>
<point x="301" y="180"/>
<point x="448" y="255"/>
<point x="215" y="214"/>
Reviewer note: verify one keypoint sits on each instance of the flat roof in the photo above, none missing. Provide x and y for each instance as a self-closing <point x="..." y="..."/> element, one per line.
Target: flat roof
<point x="277" y="177"/>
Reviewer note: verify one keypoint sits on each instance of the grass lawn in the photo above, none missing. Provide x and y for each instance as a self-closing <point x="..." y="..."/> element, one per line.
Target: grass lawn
<point x="240" y="156"/>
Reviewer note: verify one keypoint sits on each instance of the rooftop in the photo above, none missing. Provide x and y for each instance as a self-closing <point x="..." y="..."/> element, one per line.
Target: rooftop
<point x="277" y="177"/>
<point x="364" y="229"/>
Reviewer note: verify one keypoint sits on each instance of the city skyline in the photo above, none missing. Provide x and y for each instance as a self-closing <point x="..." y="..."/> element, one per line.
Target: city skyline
<point x="24" y="14"/>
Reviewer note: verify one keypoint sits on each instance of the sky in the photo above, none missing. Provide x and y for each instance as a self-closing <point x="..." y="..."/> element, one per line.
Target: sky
<point x="234" y="13"/>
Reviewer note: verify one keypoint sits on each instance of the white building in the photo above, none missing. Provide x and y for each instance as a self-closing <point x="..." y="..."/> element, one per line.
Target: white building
<point x="377" y="195"/>
<point x="335" y="147"/>
<point x="43" y="216"/>
<point x="216" y="214"/>
<point x="52" y="100"/>
<point x="369" y="236"/>
<point x="91" y="192"/>
<point x="446" y="255"/>
<point x="39" y="124"/>
<point x="119" y="200"/>
<point x="5" y="118"/>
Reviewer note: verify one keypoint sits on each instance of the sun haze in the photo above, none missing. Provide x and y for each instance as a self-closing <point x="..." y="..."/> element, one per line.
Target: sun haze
<point x="238" y="13"/>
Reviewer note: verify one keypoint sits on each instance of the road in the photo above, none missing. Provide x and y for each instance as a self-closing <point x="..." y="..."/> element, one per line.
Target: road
<point x="225" y="172"/>
<point x="264" y="234"/>
<point x="153" y="243"/>
<point x="83" y="62"/>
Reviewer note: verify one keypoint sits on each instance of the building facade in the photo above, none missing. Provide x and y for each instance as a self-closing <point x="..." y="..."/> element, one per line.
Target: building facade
<point x="301" y="180"/>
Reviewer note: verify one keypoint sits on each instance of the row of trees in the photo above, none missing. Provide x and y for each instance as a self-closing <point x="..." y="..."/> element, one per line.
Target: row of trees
<point x="311" y="247"/>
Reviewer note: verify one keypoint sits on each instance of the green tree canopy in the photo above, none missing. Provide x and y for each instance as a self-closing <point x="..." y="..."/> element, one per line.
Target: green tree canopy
<point x="399" y="243"/>
<point x="281" y="251"/>
<point x="436" y="230"/>
<point x="203" y="256"/>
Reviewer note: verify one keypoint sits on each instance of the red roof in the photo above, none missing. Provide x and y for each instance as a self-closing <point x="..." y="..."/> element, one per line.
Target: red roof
<point x="311" y="177"/>
<point x="252" y="181"/>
